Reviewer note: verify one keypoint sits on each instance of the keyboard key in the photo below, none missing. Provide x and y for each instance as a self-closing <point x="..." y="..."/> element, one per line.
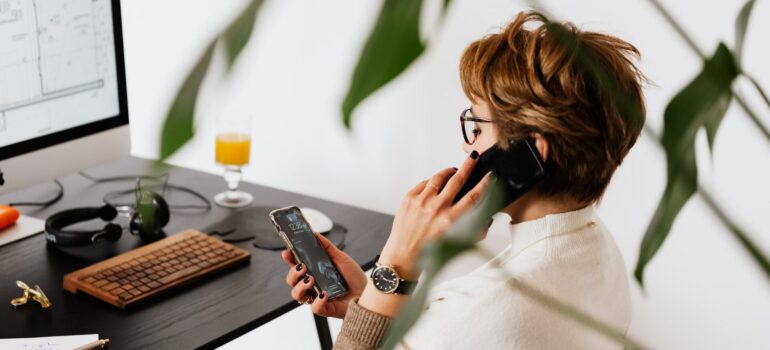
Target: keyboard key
<point x="179" y="274"/>
<point x="100" y="283"/>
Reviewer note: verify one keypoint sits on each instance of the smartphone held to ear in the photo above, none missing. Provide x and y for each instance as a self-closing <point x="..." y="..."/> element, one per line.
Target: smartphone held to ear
<point x="517" y="169"/>
<point x="299" y="238"/>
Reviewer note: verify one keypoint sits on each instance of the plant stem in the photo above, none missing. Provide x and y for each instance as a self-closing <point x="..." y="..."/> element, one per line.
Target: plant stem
<point x="678" y="29"/>
<point x="752" y="116"/>
<point x="559" y="306"/>
<point x="744" y="240"/>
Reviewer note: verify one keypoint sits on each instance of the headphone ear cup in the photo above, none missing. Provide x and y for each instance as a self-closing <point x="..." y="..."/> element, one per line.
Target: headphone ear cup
<point x="112" y="232"/>
<point x="162" y="211"/>
<point x="57" y="234"/>
<point x="107" y="212"/>
<point x="151" y="236"/>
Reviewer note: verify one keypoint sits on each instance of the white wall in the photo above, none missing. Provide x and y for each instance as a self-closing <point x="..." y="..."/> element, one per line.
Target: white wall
<point x="702" y="291"/>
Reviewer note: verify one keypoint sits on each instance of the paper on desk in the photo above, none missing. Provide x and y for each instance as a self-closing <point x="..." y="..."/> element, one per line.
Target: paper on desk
<point x="66" y="342"/>
<point x="23" y="228"/>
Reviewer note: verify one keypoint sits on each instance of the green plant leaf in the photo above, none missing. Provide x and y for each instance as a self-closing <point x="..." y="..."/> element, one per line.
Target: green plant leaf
<point x="723" y="71"/>
<point x="393" y="45"/>
<point x="178" y="127"/>
<point x="237" y="35"/>
<point x="682" y="182"/>
<point x="702" y="103"/>
<point x="741" y="24"/>
<point x="460" y="237"/>
<point x="445" y="6"/>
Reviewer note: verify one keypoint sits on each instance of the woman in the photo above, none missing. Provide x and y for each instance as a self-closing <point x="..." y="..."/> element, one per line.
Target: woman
<point x="522" y="83"/>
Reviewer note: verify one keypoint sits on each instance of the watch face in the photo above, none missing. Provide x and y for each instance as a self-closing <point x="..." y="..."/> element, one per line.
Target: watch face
<point x="385" y="279"/>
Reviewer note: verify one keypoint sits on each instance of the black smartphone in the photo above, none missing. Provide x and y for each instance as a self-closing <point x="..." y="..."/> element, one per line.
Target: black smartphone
<point x="517" y="168"/>
<point x="299" y="238"/>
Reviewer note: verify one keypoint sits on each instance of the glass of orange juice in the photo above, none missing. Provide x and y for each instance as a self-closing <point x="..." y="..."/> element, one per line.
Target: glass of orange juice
<point x="233" y="148"/>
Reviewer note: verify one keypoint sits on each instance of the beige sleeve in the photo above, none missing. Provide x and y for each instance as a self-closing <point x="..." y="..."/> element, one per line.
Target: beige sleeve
<point x="362" y="329"/>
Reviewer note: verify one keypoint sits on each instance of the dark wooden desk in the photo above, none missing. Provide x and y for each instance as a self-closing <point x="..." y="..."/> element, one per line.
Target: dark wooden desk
<point x="203" y="315"/>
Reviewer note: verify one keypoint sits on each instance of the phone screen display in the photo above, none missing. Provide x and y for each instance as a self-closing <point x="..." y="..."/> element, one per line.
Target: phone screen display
<point x="309" y="251"/>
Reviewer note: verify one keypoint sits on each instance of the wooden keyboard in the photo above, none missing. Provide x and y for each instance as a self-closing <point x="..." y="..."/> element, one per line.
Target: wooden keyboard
<point x="155" y="268"/>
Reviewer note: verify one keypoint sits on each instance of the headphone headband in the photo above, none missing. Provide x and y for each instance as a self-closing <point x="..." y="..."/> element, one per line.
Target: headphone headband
<point x="148" y="230"/>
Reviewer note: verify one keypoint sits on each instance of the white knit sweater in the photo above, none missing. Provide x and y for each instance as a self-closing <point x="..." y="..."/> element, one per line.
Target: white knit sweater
<point x="569" y="256"/>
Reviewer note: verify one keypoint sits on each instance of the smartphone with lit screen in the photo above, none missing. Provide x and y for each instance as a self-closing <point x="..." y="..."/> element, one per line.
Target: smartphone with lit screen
<point x="299" y="238"/>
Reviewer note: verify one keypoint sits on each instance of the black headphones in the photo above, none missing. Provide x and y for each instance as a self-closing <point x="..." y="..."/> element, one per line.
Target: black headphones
<point x="149" y="217"/>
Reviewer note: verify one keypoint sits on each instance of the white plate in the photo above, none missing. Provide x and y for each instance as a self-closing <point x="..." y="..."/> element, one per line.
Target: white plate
<point x="318" y="221"/>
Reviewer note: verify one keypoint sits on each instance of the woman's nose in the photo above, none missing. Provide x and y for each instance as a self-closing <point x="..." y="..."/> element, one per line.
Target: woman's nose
<point x="467" y="148"/>
<point x="476" y="146"/>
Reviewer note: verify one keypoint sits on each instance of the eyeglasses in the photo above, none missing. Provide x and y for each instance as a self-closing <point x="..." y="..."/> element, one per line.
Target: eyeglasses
<point x="469" y="125"/>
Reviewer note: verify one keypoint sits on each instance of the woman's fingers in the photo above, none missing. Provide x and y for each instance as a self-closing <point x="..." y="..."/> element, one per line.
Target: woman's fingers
<point x="319" y="304"/>
<point x="459" y="178"/>
<point x="437" y="182"/>
<point x="335" y="254"/>
<point x="296" y="273"/>
<point x="470" y="198"/>
<point x="417" y="189"/>
<point x="288" y="257"/>
<point x="301" y="291"/>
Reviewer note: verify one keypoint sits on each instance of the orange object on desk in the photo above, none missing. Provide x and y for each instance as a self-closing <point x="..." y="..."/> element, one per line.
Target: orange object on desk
<point x="8" y="216"/>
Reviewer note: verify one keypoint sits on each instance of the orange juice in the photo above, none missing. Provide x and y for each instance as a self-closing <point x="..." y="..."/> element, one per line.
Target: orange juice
<point x="233" y="148"/>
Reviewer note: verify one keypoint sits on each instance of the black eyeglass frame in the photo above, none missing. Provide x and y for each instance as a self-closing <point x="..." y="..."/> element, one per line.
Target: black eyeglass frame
<point x="464" y="118"/>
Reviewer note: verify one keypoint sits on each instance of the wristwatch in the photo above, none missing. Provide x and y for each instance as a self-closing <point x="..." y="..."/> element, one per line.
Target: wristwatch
<point x="387" y="280"/>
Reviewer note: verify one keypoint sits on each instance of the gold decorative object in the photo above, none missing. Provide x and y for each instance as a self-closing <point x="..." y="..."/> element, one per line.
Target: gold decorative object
<point x="35" y="294"/>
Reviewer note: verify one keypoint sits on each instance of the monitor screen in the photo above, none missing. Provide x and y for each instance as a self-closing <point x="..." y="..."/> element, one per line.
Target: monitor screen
<point x="61" y="72"/>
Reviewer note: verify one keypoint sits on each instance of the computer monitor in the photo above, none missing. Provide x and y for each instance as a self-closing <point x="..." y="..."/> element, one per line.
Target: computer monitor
<point x="63" y="104"/>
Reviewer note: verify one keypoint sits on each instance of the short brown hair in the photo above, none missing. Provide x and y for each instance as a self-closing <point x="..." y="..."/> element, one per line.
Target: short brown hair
<point x="533" y="82"/>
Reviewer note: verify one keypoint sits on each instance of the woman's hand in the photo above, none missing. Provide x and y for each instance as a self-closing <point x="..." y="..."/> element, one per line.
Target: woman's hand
<point x="302" y="284"/>
<point x="426" y="213"/>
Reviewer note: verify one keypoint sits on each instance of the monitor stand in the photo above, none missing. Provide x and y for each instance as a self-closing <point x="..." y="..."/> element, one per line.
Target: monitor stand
<point x="24" y="227"/>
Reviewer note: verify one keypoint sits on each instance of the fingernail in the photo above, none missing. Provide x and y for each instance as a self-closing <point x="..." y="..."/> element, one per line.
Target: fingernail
<point x="299" y="267"/>
<point x="322" y="295"/>
<point x="306" y="279"/>
<point x="454" y="168"/>
<point x="474" y="155"/>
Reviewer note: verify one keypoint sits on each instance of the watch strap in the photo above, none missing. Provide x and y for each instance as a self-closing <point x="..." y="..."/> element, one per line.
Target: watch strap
<point x="405" y="287"/>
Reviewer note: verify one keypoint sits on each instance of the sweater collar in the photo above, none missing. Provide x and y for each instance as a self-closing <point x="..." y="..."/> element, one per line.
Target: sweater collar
<point x="525" y="233"/>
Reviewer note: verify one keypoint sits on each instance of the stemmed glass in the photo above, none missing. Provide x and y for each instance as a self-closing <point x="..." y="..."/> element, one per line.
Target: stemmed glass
<point x="233" y="146"/>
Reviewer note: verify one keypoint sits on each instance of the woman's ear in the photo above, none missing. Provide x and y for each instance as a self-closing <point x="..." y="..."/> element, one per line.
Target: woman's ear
<point x="541" y="143"/>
